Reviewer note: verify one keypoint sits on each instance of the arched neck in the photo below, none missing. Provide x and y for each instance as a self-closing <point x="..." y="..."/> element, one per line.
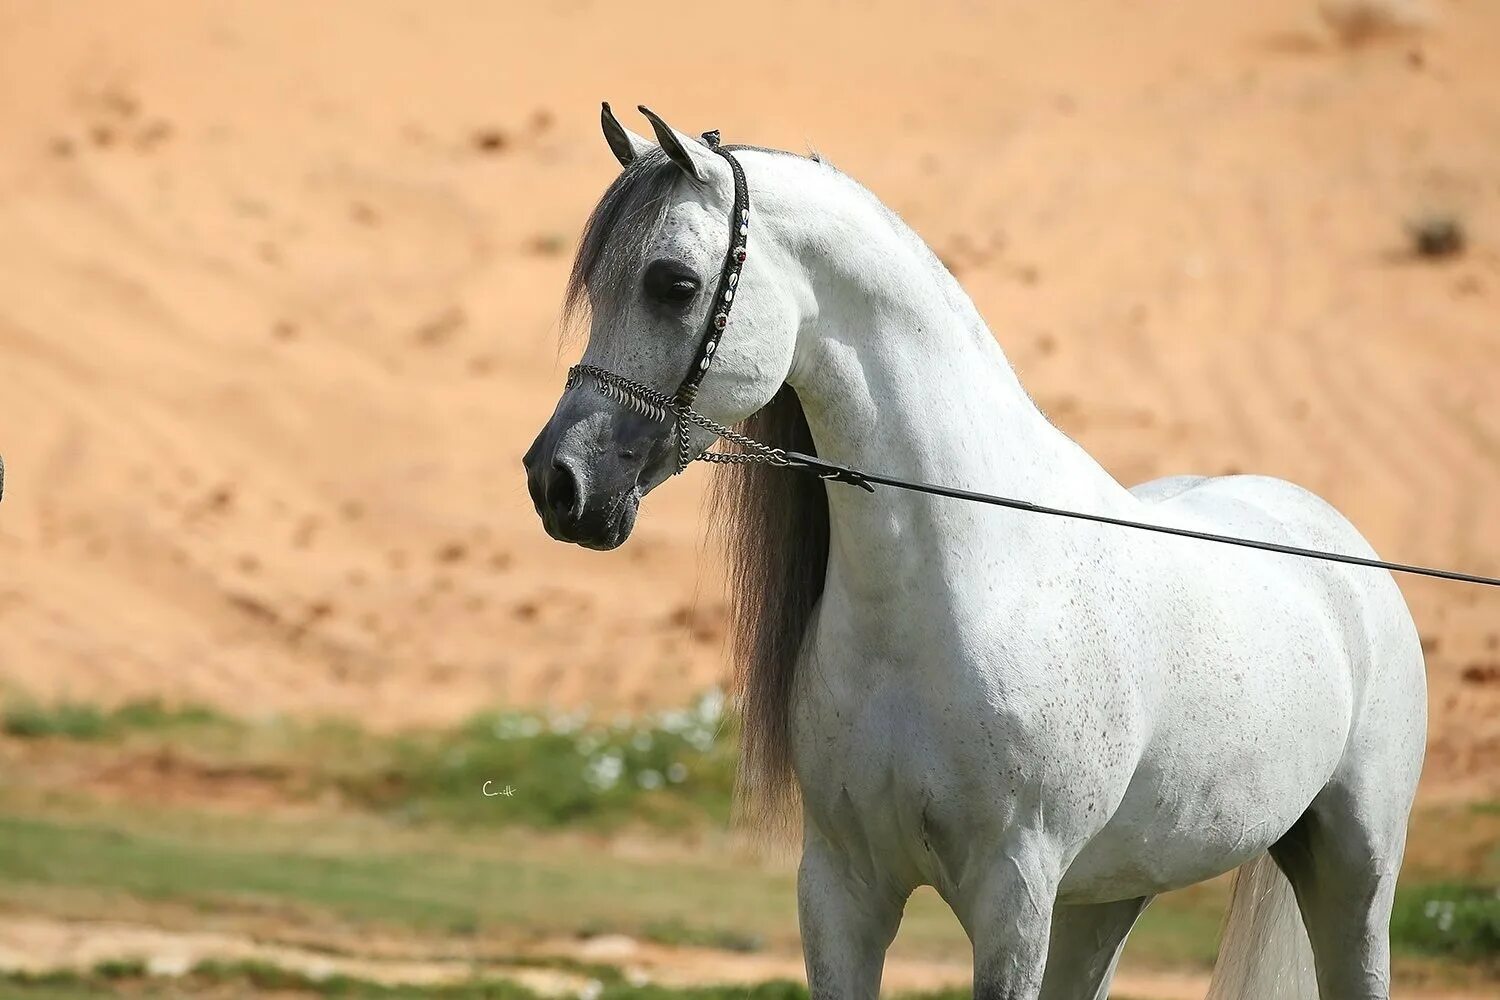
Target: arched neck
<point x="899" y="374"/>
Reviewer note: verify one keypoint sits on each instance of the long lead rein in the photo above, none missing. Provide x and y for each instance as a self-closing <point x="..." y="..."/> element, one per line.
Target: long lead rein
<point x="837" y="473"/>
<point x="678" y="408"/>
<point x="662" y="406"/>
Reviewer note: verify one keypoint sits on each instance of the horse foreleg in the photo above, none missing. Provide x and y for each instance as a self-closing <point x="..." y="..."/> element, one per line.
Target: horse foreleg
<point x="1008" y="916"/>
<point x="847" y="922"/>
<point x="1085" y="947"/>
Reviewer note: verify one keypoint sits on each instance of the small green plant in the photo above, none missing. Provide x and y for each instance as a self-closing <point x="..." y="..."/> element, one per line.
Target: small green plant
<point x="78" y="721"/>
<point x="64" y="719"/>
<point x="152" y="714"/>
<point x="121" y="968"/>
<point x="1457" y="921"/>
<point x="551" y="769"/>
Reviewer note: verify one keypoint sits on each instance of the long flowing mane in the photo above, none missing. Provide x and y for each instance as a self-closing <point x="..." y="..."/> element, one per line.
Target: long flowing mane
<point x="774" y="525"/>
<point x="775" y="530"/>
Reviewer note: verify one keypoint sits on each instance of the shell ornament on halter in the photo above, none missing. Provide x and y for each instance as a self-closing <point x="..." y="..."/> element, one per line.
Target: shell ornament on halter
<point x="644" y="399"/>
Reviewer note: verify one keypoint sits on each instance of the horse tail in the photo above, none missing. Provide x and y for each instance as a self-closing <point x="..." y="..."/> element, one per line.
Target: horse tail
<point x="1264" y="953"/>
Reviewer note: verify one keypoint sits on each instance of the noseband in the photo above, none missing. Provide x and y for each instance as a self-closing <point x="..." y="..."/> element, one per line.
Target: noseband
<point x="678" y="406"/>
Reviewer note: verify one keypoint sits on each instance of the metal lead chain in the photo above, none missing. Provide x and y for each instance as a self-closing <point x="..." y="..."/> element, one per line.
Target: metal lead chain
<point x="653" y="403"/>
<point x="644" y="399"/>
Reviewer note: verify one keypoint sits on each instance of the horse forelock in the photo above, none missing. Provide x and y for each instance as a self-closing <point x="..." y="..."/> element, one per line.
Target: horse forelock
<point x="624" y="223"/>
<point x="620" y="230"/>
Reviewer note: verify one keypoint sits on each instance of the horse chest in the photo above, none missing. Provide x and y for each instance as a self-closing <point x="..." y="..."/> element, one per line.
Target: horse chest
<point x="892" y="772"/>
<point x="921" y="748"/>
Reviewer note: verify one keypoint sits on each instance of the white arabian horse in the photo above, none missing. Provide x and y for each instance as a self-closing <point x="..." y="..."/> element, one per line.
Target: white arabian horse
<point x="1048" y="721"/>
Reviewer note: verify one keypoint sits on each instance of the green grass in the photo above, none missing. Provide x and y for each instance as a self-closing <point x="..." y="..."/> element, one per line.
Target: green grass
<point x="679" y="933"/>
<point x="469" y="884"/>
<point x="672" y="769"/>
<point x="352" y="873"/>
<point x="544" y="770"/>
<point x="1181" y="929"/>
<point x="216" y="978"/>
<point x="359" y="875"/>
<point x="412" y="842"/>
<point x="1448" y="921"/>
<point x="78" y="721"/>
<point x="117" y="979"/>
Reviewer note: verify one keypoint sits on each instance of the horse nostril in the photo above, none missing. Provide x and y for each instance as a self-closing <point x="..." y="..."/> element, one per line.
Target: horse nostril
<point x="562" y="490"/>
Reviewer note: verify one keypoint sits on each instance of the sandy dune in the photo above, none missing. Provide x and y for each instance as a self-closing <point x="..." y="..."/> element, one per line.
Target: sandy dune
<point x="278" y="293"/>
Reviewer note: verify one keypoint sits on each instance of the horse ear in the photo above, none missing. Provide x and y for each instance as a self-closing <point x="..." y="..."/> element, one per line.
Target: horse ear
<point x="688" y="153"/>
<point x="625" y="144"/>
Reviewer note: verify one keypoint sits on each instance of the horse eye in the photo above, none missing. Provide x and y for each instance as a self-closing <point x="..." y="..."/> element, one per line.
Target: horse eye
<point x="670" y="283"/>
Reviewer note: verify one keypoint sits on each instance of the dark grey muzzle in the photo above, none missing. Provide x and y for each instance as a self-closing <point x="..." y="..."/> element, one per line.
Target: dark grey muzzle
<point x="591" y="464"/>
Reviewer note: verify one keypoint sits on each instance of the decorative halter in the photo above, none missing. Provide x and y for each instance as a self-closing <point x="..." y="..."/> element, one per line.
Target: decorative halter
<point x="678" y="407"/>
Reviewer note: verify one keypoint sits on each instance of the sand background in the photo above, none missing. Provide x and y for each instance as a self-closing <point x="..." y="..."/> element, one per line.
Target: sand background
<point x="279" y="287"/>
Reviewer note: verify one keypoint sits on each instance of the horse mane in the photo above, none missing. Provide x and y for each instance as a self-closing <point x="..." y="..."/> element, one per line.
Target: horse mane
<point x="775" y="530"/>
<point x="774" y="524"/>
